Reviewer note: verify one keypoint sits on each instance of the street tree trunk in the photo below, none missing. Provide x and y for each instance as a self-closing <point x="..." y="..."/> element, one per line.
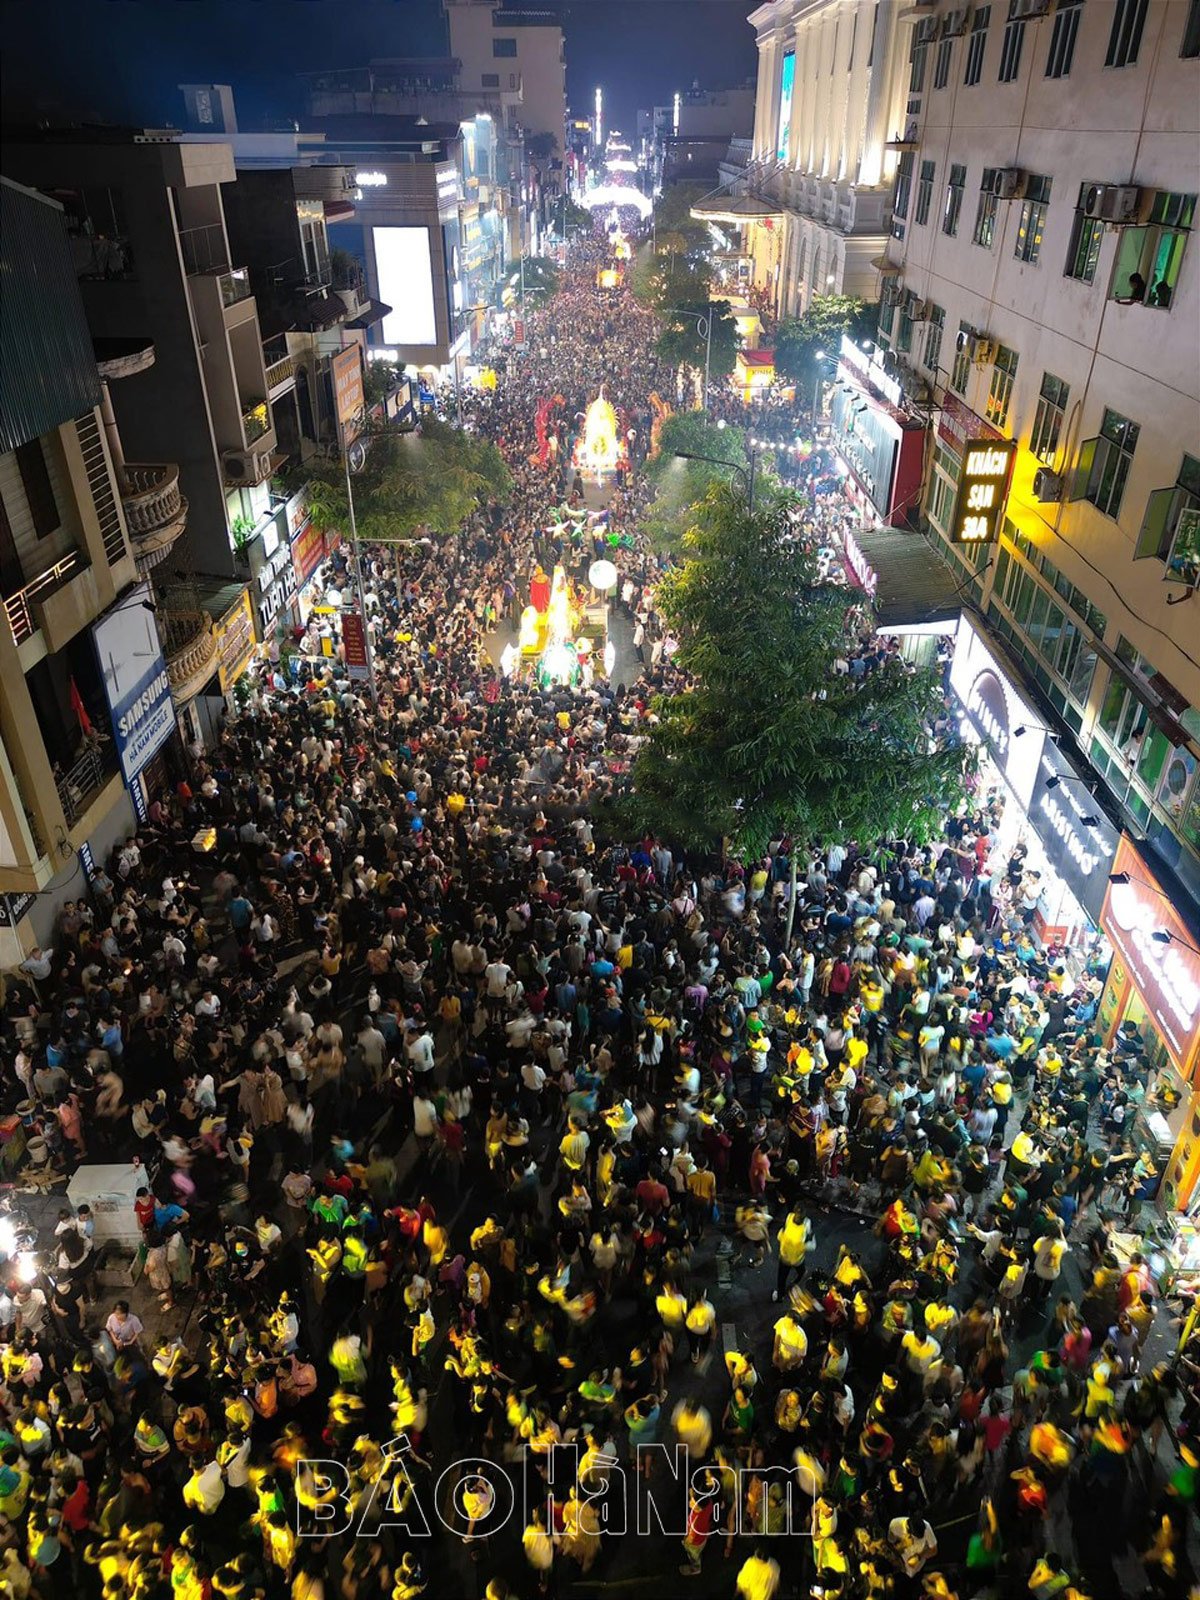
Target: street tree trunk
<point x="791" y="916"/>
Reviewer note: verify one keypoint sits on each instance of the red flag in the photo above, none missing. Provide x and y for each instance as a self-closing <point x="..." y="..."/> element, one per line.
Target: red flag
<point x="80" y="710"/>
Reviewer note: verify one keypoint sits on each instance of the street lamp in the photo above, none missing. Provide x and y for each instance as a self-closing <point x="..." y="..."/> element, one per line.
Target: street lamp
<point x="819" y="356"/>
<point x="703" y="321"/>
<point x="716" y="461"/>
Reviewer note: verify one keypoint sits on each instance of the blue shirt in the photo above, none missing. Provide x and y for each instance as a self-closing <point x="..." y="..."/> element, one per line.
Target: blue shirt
<point x="165" y="1214"/>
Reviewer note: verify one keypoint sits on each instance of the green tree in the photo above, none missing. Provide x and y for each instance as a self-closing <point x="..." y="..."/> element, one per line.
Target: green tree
<point x="683" y="341"/>
<point x="572" y="218"/>
<point x="660" y="280"/>
<point x="680" y="483"/>
<point x="541" y="279"/>
<point x="410" y="483"/>
<point x="770" y="739"/>
<point x="673" y="215"/>
<point x="797" y="339"/>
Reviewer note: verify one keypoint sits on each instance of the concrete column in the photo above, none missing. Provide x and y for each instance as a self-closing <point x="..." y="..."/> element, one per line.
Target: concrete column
<point x="876" y="130"/>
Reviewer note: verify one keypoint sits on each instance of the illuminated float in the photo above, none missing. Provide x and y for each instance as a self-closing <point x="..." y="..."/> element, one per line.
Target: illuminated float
<point x="563" y="632"/>
<point x="600" y="446"/>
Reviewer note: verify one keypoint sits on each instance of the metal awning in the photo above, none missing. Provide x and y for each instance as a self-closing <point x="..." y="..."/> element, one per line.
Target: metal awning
<point x="882" y="264"/>
<point x="913" y="586"/>
<point x="734" y="208"/>
<point x="375" y="312"/>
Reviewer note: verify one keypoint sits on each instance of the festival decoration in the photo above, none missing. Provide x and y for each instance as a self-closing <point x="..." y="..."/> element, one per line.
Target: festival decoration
<point x="600" y="446"/>
<point x="602" y="575"/>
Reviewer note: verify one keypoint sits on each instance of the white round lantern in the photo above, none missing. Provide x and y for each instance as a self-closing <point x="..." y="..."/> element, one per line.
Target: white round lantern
<point x="602" y="575"/>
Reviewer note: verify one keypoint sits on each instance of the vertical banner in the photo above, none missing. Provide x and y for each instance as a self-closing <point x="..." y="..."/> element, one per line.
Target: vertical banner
<point x="348" y="398"/>
<point x="354" y="643"/>
<point x="518" y="333"/>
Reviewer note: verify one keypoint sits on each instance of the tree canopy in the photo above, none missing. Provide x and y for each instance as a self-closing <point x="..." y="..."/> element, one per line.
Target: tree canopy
<point x="672" y="215"/>
<point x="797" y="339"/>
<point x="771" y="739"/>
<point x="683" y="341"/>
<point x="679" y="484"/>
<point x="410" y="484"/>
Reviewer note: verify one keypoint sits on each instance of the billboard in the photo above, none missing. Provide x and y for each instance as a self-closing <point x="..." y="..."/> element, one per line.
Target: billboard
<point x="135" y="679"/>
<point x="1136" y="915"/>
<point x="993" y="711"/>
<point x="787" y="85"/>
<point x="982" y="491"/>
<point x="404" y="271"/>
<point x="1079" y="840"/>
<point x="354" y="643"/>
<point x="348" y="400"/>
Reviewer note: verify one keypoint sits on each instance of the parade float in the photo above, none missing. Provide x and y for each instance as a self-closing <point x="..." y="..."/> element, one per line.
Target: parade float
<point x="563" y="636"/>
<point x="599" y="447"/>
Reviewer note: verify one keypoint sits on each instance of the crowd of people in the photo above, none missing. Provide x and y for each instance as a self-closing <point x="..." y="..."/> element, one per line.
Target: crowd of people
<point x="472" y="1137"/>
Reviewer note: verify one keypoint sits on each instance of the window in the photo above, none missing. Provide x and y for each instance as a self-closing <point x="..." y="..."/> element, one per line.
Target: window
<point x="924" y="192"/>
<point x="941" y="67"/>
<point x="1190" y="47"/>
<point x="887" y="318"/>
<point x="490" y="80"/>
<point x="1129" y="18"/>
<point x="976" y="45"/>
<point x="1086" y="236"/>
<point x="1149" y="258"/>
<point x="1164" y="509"/>
<point x="502" y="49"/>
<point x="1062" y="38"/>
<point x="954" y="197"/>
<point x="1010" y="48"/>
<point x="985" y="211"/>
<point x="916" y="74"/>
<point x="1048" y="421"/>
<point x="905" y="331"/>
<point x="933" y="338"/>
<point x="1104" y="464"/>
<point x="1000" y="394"/>
<point x="962" y="359"/>
<point x="39" y="492"/>
<point x="1033" y="220"/>
<point x="904" y="173"/>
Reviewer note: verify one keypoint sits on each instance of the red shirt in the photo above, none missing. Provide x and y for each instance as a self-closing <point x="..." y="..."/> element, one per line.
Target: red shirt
<point x="653" y="1197"/>
<point x="76" y="1508"/>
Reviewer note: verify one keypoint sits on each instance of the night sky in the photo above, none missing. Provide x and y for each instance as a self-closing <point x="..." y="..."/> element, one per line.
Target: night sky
<point x="120" y="60"/>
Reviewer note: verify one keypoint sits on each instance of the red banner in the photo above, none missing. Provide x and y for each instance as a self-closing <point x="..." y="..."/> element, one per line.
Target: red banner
<point x="354" y="643"/>
<point x="308" y="551"/>
<point x="958" y="423"/>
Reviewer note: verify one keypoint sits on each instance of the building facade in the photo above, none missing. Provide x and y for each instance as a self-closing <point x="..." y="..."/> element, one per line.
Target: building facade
<point x="69" y="576"/>
<point x="831" y="97"/>
<point x="1040" y="308"/>
<point x="515" y="53"/>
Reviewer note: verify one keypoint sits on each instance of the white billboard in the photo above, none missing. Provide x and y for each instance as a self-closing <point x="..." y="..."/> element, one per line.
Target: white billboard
<point x="135" y="679"/>
<point x="405" y="272"/>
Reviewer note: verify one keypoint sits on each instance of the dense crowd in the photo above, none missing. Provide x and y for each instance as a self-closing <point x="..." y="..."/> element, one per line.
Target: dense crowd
<point x="466" y="1128"/>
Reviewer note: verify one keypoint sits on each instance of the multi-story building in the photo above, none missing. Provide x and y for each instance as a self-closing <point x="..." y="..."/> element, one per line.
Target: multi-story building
<point x="74" y="620"/>
<point x="690" y="135"/>
<point x="496" y="51"/>
<point x="812" y="195"/>
<point x="1042" y="303"/>
<point x="162" y="286"/>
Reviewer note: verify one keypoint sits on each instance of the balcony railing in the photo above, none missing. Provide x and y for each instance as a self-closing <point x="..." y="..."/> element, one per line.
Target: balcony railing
<point x="235" y="285"/>
<point x="20" y="605"/>
<point x="280" y="371"/>
<point x="204" y="249"/>
<point x="256" y="419"/>
<point x="190" y="647"/>
<point x="89" y="773"/>
<point x="152" y="499"/>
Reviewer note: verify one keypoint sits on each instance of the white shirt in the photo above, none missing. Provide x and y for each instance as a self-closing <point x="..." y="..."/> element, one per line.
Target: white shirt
<point x="497" y="975"/>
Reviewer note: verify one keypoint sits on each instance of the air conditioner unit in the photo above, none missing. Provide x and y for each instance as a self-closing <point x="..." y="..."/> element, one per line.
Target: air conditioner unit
<point x="919" y="311"/>
<point x="1112" y="202"/>
<point x="1047" y="485"/>
<point x="964" y="341"/>
<point x="954" y="24"/>
<point x="1022" y="10"/>
<point x="892" y="292"/>
<point x="1008" y="183"/>
<point x="246" y="466"/>
<point x="985" y="352"/>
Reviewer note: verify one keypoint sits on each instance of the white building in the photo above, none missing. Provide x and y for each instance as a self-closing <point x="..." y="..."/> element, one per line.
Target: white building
<point x="512" y="52"/>
<point x="832" y="90"/>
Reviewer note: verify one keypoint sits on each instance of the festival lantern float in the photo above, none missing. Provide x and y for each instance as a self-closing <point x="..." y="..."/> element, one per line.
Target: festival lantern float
<point x="600" y="446"/>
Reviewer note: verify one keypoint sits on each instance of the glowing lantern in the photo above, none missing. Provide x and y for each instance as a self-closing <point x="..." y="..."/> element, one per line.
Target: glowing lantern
<point x="602" y="575"/>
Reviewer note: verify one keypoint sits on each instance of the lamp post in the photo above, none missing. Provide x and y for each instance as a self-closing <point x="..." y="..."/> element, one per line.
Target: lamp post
<point x="703" y="321"/>
<point x="716" y="461"/>
<point x="819" y="357"/>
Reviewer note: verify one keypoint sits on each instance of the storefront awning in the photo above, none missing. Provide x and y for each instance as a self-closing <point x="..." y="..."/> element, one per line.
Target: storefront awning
<point x="734" y="208"/>
<point x="913" y="586"/>
<point x="375" y="312"/>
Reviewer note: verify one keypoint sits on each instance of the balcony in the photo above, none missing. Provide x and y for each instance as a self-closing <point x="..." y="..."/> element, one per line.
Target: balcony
<point x="256" y="419"/>
<point x="190" y="648"/>
<point x="155" y="511"/>
<point x="280" y="373"/>
<point x="24" y="608"/>
<point x="79" y="785"/>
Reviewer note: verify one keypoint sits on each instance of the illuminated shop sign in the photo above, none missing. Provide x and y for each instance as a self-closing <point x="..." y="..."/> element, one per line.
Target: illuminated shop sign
<point x="371" y="180"/>
<point x="1081" y="851"/>
<point x="982" y="491"/>
<point x="993" y="710"/>
<point x="1166" y="973"/>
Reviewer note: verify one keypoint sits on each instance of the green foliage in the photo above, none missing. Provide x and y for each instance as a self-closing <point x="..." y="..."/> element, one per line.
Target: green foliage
<point x="571" y="218"/>
<point x="671" y="280"/>
<point x="672" y="215"/>
<point x="411" y="483"/>
<point x="798" y="339"/>
<point x="541" y="277"/>
<point x="771" y="740"/>
<point x="379" y="379"/>
<point x="682" y="341"/>
<point x="680" y="484"/>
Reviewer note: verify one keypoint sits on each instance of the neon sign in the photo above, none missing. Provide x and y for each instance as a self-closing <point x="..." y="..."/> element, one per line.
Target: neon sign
<point x="982" y="491"/>
<point x="787" y="84"/>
